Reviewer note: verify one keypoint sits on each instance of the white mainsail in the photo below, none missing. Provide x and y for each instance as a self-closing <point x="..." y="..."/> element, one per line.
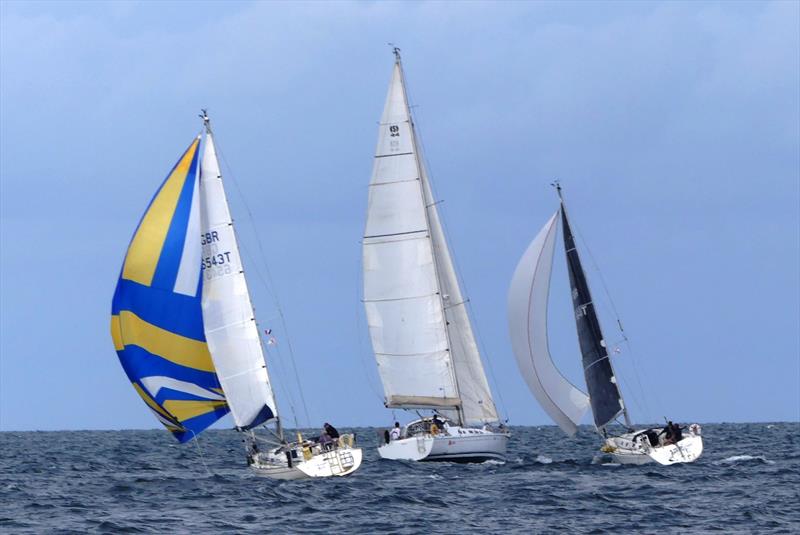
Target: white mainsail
<point x="230" y="327"/>
<point x="421" y="335"/>
<point x="527" y="316"/>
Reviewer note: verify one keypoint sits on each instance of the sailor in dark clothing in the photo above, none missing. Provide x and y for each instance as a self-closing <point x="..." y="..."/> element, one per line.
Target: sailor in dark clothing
<point x="677" y="434"/>
<point x="333" y="433"/>
<point x="668" y="433"/>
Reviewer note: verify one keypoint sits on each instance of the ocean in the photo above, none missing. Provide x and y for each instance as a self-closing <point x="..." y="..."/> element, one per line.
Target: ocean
<point x="747" y="481"/>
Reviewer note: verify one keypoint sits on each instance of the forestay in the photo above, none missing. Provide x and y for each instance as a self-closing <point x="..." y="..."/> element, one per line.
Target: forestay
<point x="230" y="326"/>
<point x="401" y="291"/>
<point x="527" y="316"/>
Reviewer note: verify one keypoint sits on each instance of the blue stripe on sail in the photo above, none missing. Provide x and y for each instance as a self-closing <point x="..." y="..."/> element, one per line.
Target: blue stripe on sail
<point x="263" y="415"/>
<point x="153" y="198"/>
<point x="197" y="424"/>
<point x="177" y="313"/>
<point x="139" y="363"/>
<point x="170" y="259"/>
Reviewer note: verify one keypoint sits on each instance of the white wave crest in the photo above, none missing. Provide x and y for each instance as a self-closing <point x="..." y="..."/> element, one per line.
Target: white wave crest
<point x="743" y="459"/>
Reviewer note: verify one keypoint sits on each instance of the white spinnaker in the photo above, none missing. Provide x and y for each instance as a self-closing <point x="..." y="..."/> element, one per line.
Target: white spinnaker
<point x="476" y="398"/>
<point x="527" y="319"/>
<point x="401" y="292"/>
<point x="230" y="327"/>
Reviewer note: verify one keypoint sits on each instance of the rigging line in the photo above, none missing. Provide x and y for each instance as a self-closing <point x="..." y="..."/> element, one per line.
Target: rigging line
<point x="459" y="277"/>
<point x="269" y="279"/>
<point x="280" y="374"/>
<point x="620" y="328"/>
<point x="200" y="451"/>
<point x="278" y="362"/>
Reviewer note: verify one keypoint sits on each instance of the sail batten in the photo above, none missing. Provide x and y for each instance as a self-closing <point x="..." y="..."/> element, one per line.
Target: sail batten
<point x="527" y="315"/>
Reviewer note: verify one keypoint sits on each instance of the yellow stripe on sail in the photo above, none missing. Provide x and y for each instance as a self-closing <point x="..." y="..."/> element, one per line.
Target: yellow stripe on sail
<point x="116" y="334"/>
<point x="152" y="403"/>
<point x="145" y="249"/>
<point x="184" y="409"/>
<point x="173" y="347"/>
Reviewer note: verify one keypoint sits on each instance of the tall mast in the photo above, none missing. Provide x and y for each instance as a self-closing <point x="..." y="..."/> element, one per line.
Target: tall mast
<point x="605" y="395"/>
<point x="428" y="206"/>
<point x="207" y="126"/>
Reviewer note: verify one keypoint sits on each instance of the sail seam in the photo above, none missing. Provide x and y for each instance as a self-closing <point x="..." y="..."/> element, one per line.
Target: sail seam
<point x="389" y="299"/>
<point x="398" y="181"/>
<point x="395" y="234"/>
<point x="411" y="354"/>
<point x="395" y="154"/>
<point x="397" y="239"/>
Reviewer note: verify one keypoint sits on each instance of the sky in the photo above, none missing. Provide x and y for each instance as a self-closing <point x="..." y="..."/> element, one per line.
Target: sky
<point x="674" y="128"/>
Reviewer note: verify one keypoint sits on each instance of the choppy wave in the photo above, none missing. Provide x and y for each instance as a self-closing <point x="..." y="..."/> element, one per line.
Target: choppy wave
<point x="734" y="459"/>
<point x="143" y="482"/>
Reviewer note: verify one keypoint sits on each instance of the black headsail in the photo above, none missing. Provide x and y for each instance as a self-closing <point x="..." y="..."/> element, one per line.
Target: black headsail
<point x="604" y="393"/>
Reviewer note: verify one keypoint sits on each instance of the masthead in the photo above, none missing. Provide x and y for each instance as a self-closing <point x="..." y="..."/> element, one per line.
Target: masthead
<point x="395" y="51"/>
<point x="206" y="119"/>
<point x="556" y="184"/>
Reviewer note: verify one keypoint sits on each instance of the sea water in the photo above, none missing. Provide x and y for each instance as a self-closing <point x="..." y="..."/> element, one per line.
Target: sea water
<point x="747" y="481"/>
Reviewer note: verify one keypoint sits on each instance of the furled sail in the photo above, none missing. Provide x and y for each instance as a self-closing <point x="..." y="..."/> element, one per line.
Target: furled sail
<point x="402" y="298"/>
<point x="527" y="318"/>
<point x="230" y="327"/>
<point x="157" y="320"/>
<point x="604" y="393"/>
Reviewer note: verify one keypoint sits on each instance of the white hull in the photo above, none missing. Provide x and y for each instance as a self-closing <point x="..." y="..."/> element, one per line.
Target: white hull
<point x="453" y="444"/>
<point x="634" y="448"/>
<point x="307" y="462"/>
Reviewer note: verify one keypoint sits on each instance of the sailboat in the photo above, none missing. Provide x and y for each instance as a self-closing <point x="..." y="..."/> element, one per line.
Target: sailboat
<point x="564" y="402"/>
<point x="185" y="331"/>
<point x="421" y="334"/>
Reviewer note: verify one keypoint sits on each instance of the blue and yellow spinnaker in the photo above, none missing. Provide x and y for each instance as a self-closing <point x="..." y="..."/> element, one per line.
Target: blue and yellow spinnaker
<point x="157" y="320"/>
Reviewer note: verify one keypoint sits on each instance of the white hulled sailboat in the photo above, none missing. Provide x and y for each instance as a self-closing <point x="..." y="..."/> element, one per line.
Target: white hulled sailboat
<point x="566" y="404"/>
<point x="185" y="331"/>
<point x="421" y="333"/>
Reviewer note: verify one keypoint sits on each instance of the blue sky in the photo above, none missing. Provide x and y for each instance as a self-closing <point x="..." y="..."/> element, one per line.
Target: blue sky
<point x="674" y="127"/>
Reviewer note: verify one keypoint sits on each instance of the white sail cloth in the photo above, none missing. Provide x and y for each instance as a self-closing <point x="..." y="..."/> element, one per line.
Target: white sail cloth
<point x="401" y="293"/>
<point x="230" y="328"/>
<point x="527" y="317"/>
<point x="410" y="288"/>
